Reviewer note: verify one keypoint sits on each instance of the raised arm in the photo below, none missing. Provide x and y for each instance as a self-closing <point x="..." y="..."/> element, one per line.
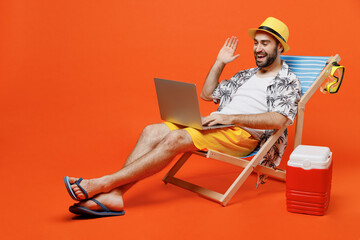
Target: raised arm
<point x="226" y="55"/>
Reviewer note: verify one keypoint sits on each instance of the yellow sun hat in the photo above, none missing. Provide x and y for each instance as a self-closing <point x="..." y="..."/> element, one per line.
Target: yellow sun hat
<point x="276" y="28"/>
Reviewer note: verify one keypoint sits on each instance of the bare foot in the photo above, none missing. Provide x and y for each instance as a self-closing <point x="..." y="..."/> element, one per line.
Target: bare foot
<point x="91" y="186"/>
<point x="113" y="200"/>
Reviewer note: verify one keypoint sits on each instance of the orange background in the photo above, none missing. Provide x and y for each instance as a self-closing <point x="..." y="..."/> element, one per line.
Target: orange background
<point x="77" y="89"/>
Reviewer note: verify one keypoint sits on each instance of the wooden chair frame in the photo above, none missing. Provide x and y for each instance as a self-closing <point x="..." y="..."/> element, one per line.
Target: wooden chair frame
<point x="253" y="164"/>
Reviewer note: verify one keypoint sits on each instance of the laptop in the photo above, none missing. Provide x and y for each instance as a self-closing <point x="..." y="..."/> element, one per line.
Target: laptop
<point x="178" y="103"/>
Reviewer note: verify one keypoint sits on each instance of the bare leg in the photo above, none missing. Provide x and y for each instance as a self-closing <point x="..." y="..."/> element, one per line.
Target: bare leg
<point x="148" y="164"/>
<point x="150" y="137"/>
<point x="155" y="160"/>
<point x="147" y="158"/>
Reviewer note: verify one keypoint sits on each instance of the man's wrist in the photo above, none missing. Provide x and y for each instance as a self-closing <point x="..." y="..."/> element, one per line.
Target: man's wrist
<point x="235" y="119"/>
<point x="219" y="63"/>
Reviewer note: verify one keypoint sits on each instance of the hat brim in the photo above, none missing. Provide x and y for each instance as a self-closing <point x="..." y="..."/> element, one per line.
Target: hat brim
<point x="253" y="31"/>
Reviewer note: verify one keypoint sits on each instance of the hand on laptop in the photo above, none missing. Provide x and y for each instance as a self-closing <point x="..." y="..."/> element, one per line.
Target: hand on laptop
<point x="215" y="119"/>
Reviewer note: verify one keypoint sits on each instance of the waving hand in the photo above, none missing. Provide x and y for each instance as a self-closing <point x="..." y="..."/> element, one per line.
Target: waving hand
<point x="226" y="54"/>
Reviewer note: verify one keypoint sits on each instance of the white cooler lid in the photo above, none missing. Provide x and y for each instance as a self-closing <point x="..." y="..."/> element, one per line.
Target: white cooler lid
<point x="310" y="157"/>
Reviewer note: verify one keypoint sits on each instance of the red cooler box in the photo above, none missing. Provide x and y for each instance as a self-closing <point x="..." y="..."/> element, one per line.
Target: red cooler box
<point x="308" y="180"/>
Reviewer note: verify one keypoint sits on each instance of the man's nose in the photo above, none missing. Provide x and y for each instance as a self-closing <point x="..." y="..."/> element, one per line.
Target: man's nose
<point x="258" y="48"/>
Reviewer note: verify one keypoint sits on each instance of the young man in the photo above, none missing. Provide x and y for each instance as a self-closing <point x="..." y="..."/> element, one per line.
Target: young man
<point x="256" y="100"/>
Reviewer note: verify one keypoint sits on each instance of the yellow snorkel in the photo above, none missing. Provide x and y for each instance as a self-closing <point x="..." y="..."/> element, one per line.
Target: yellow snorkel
<point x="335" y="78"/>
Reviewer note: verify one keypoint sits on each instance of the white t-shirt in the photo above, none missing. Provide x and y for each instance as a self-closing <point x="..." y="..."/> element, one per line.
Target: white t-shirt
<point x="250" y="98"/>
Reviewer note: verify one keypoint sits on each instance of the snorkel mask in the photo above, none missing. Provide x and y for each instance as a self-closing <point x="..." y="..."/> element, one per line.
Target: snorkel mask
<point x="335" y="78"/>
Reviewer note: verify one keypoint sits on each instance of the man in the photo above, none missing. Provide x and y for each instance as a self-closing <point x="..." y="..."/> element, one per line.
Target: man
<point x="256" y="101"/>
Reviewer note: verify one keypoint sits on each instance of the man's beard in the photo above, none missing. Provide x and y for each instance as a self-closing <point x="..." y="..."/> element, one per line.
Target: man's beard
<point x="270" y="59"/>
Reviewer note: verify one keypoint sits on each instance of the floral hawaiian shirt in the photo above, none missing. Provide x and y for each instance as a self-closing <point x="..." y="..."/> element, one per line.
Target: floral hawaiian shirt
<point x="283" y="94"/>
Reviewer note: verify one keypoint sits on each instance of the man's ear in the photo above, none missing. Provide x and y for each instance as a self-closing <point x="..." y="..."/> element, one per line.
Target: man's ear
<point x="280" y="47"/>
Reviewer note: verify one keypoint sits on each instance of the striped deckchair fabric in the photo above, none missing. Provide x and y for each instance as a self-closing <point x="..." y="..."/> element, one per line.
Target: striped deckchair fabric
<point x="311" y="72"/>
<point x="306" y="68"/>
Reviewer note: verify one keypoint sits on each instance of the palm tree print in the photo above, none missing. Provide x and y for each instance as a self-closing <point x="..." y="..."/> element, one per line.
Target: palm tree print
<point x="283" y="93"/>
<point x="285" y="101"/>
<point x="282" y="84"/>
<point x="270" y="101"/>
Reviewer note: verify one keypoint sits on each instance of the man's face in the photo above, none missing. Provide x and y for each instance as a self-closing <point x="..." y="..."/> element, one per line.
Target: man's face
<point x="265" y="49"/>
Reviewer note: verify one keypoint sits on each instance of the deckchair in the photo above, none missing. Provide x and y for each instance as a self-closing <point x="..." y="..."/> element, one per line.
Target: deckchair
<point x="311" y="71"/>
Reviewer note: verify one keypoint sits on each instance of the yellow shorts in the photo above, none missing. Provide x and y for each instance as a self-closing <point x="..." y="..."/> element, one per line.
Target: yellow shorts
<point x="234" y="141"/>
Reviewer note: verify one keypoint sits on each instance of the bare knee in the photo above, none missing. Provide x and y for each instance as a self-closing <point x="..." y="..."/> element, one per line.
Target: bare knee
<point x="154" y="133"/>
<point x="178" y="141"/>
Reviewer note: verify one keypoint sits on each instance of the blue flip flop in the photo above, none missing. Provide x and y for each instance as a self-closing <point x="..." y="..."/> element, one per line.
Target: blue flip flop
<point x="71" y="192"/>
<point x="91" y="213"/>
